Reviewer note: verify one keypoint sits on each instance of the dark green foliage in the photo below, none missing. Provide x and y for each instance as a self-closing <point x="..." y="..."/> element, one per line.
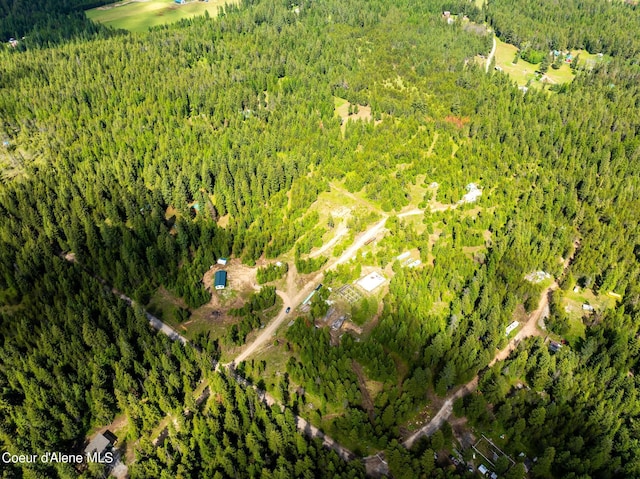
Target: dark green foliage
<point x="559" y="320"/>
<point x="533" y="56"/>
<point x="263" y="299"/>
<point x="257" y="302"/>
<point x="364" y="310"/>
<point x="592" y="25"/>
<point x="271" y="272"/>
<point x="47" y="21"/>
<point x="305" y="266"/>
<point x="118" y="138"/>
<point x="571" y="419"/>
<point x="73" y="337"/>
<point x="236" y="435"/>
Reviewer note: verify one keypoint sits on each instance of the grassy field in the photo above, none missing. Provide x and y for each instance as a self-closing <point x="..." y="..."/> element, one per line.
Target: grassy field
<point x="572" y="303"/>
<point x="140" y="15"/>
<point x="524" y="72"/>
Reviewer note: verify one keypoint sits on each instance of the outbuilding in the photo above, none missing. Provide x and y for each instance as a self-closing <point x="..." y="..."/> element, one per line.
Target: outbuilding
<point x="220" y="280"/>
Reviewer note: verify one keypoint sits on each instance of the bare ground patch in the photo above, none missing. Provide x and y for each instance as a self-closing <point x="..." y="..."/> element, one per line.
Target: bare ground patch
<point x="347" y="111"/>
<point x="240" y="277"/>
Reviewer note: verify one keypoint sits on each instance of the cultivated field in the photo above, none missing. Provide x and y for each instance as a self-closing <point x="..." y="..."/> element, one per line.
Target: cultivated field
<point x="140" y="15"/>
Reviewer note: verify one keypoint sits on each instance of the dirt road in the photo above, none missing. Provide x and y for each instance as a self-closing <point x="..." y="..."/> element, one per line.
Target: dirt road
<point x="302" y="424"/>
<point x="414" y="212"/>
<point x="528" y="330"/>
<point x="340" y="232"/>
<point x="292" y="298"/>
<point x="443" y="414"/>
<point x="490" y="58"/>
<point x="434" y="207"/>
<point x="153" y="321"/>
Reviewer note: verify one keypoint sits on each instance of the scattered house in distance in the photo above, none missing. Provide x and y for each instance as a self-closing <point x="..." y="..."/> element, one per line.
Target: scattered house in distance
<point x="511" y="327"/>
<point x="101" y="443"/>
<point x="434" y="184"/>
<point x="576" y="289"/>
<point x="222" y="261"/>
<point x="498" y="69"/>
<point x="13" y="42"/>
<point x="587" y="307"/>
<point x="482" y="469"/>
<point x="220" y="281"/>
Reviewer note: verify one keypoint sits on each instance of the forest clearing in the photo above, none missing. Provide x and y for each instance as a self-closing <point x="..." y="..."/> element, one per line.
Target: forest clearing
<point x="528" y="74"/>
<point x="140" y="15"/>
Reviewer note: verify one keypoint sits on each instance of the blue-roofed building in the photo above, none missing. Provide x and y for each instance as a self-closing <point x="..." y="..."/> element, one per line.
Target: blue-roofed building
<point x="220" y="280"/>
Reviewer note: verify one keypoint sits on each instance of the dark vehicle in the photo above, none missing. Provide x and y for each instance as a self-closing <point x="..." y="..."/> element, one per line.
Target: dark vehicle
<point x="288" y="309"/>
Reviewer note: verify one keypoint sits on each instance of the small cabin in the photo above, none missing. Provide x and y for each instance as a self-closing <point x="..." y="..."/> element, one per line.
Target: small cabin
<point x="220" y="280"/>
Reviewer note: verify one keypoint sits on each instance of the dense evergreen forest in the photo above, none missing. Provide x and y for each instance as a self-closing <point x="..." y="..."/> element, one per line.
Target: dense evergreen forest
<point x="592" y="25"/>
<point x="123" y="152"/>
<point x="43" y="22"/>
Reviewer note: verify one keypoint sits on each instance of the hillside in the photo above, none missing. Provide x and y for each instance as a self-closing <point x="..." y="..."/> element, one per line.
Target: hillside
<point x="406" y="237"/>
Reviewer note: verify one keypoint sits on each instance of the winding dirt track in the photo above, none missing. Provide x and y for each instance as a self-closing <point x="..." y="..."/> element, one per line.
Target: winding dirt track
<point x="529" y="329"/>
<point x="292" y="298"/>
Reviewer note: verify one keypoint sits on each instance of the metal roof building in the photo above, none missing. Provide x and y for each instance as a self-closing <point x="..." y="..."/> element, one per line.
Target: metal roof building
<point x="220" y="280"/>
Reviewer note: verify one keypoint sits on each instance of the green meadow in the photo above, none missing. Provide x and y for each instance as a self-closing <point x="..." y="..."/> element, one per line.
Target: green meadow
<point x="140" y="15"/>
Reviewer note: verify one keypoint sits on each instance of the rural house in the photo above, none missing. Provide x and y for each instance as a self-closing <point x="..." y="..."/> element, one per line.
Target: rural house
<point x="101" y="443"/>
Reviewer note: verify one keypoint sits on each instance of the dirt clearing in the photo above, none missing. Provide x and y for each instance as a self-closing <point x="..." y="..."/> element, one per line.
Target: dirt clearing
<point x="347" y="111"/>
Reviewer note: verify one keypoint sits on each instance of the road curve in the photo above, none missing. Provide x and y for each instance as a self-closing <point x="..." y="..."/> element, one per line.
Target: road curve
<point x="443" y="414"/>
<point x="529" y="329"/>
